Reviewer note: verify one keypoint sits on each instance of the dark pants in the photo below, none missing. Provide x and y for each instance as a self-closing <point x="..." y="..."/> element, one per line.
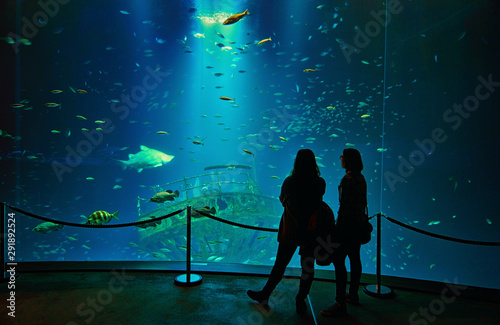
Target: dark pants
<point x="283" y="257"/>
<point x="352" y="251"/>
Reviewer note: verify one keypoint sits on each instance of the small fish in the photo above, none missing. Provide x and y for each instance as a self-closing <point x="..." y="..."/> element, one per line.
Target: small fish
<point x="117" y="187"/>
<point x="235" y="18"/>
<point x="161" y="197"/>
<point x="365" y="62"/>
<point x="157" y="255"/>
<point x="262" y="237"/>
<point x="381" y="149"/>
<point x="52" y="105"/>
<point x="8" y="40"/>
<point x="365" y="115"/>
<point x="283" y="139"/>
<point x="100" y="122"/>
<point x="90" y="178"/>
<point x="199" y="143"/>
<point x="85" y="246"/>
<point x="25" y="41"/>
<point x="46" y="227"/>
<point x="264" y="40"/>
<point x="82" y="91"/>
<point x="248" y="152"/>
<point x="218" y="74"/>
<point x="55" y="131"/>
<point x="71" y="238"/>
<point x="17" y="105"/>
<point x="83" y="118"/>
<point x="199" y="35"/>
<point x="124" y="12"/>
<point x="226" y="98"/>
<point x="215" y="242"/>
<point x="275" y="177"/>
<point x="205" y="209"/>
<point x="149" y="224"/>
<point x="309" y="70"/>
<point x="162" y="132"/>
<point x="100" y="217"/>
<point x="56" y="91"/>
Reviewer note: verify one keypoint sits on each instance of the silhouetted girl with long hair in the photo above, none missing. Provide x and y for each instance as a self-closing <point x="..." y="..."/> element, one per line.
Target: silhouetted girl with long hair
<point x="301" y="196"/>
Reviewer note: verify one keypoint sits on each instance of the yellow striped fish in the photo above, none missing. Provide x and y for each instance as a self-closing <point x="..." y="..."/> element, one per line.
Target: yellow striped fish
<point x="100" y="217"/>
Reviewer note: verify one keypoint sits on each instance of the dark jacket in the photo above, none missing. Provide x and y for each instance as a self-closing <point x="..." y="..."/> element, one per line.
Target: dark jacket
<point x="352" y="197"/>
<point x="300" y="200"/>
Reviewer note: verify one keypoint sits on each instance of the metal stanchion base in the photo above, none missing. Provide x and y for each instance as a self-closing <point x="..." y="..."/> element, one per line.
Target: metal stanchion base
<point x="378" y="291"/>
<point x="182" y="281"/>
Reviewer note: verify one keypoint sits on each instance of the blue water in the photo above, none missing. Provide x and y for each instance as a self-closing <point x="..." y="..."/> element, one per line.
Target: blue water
<point x="149" y="66"/>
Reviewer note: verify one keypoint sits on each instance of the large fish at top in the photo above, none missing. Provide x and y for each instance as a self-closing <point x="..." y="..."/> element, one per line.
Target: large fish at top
<point x="235" y="18"/>
<point x="146" y="158"/>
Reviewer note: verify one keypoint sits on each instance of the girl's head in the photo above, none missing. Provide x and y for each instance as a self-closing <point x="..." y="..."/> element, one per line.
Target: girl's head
<point x="305" y="164"/>
<point x="351" y="160"/>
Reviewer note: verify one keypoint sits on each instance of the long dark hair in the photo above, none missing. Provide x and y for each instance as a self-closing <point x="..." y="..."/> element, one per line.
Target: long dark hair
<point x="305" y="165"/>
<point x="352" y="160"/>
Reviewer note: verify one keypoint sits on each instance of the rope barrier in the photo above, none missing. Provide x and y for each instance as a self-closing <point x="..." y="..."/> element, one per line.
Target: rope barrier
<point x="458" y="240"/>
<point x="65" y="223"/>
<point x="399" y="223"/>
<point x="235" y="223"/>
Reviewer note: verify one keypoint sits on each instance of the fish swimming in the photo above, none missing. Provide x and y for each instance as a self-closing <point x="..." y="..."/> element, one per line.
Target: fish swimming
<point x="264" y="40"/>
<point x="46" y="227"/>
<point x="149" y="224"/>
<point x="161" y="197"/>
<point x="205" y="209"/>
<point x="235" y="18"/>
<point x="146" y="158"/>
<point x="100" y="217"/>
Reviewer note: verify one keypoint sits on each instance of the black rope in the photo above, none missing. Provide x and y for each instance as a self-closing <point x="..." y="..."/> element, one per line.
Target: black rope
<point x="458" y="240"/>
<point x="65" y="223"/>
<point x="235" y="223"/>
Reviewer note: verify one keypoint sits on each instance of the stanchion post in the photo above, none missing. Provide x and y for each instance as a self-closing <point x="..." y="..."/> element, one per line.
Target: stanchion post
<point x="377" y="290"/>
<point x="188" y="279"/>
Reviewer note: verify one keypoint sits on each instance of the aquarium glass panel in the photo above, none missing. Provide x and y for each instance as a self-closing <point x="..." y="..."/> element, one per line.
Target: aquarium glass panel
<point x="127" y="111"/>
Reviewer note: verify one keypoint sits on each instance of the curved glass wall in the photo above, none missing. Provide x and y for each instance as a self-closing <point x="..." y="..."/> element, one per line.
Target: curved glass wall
<point x="113" y="102"/>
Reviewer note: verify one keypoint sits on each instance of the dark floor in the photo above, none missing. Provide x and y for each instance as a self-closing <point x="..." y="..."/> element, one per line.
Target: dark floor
<point x="132" y="297"/>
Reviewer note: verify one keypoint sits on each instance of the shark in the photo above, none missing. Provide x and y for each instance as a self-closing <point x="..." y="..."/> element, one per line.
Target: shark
<point x="146" y="158"/>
